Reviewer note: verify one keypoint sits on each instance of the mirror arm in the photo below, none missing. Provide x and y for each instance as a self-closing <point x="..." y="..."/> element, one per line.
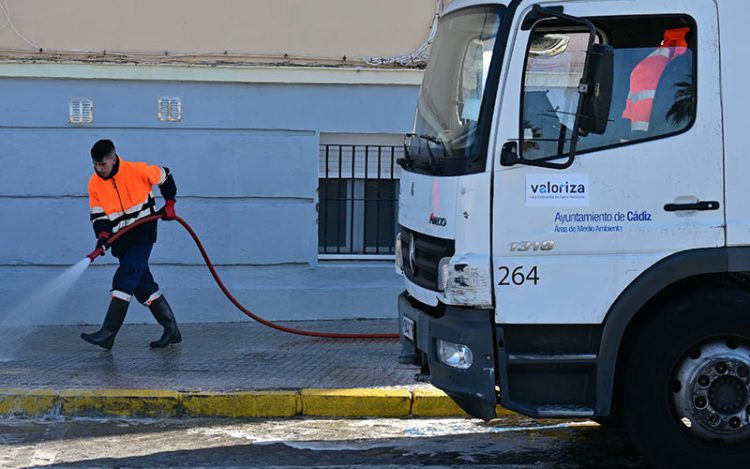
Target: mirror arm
<point x="539" y="13"/>
<point x="566" y="164"/>
<point x="509" y="157"/>
<point x="549" y="164"/>
<point x="556" y="12"/>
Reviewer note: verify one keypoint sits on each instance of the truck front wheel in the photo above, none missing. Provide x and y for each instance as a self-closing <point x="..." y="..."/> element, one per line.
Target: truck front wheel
<point x="687" y="390"/>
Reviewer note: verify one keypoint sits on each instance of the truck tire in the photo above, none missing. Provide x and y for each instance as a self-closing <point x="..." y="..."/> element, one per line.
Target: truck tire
<point x="687" y="391"/>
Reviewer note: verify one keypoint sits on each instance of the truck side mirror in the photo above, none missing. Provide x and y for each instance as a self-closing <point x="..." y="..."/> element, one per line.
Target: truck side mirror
<point x="546" y="131"/>
<point x="598" y="98"/>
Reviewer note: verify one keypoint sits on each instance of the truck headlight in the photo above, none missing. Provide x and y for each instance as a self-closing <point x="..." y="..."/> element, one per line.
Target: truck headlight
<point x="399" y="255"/>
<point x="454" y="355"/>
<point x="444" y="271"/>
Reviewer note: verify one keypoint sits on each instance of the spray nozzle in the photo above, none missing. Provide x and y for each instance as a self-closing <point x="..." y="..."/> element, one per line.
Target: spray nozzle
<point x="95" y="253"/>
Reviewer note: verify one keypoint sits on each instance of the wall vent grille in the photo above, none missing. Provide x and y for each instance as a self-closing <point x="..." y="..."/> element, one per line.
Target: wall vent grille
<point x="80" y="111"/>
<point x="170" y="109"/>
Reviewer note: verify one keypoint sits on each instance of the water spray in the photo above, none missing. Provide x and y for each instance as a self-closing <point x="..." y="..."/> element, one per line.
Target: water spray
<point x="333" y="335"/>
<point x="40" y="304"/>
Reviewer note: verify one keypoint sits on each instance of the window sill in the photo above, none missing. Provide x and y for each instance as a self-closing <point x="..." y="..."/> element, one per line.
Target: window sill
<point x="356" y="257"/>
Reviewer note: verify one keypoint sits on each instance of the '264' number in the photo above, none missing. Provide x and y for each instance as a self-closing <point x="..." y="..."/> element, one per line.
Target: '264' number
<point x="517" y="276"/>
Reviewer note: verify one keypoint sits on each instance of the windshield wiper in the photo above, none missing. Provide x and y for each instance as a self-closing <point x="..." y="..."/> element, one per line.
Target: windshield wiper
<point x="407" y="162"/>
<point x="432" y="161"/>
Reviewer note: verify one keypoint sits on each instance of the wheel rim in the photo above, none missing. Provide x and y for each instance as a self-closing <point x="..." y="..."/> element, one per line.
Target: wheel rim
<point x="711" y="390"/>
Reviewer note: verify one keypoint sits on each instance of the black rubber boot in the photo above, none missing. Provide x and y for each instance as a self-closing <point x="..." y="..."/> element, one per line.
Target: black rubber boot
<point x="105" y="337"/>
<point x="164" y="316"/>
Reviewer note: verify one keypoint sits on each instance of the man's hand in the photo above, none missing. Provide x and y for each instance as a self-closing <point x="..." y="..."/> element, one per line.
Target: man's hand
<point x="169" y="213"/>
<point x="102" y="241"/>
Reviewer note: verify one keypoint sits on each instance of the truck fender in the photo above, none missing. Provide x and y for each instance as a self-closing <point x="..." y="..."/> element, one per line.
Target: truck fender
<point x="647" y="285"/>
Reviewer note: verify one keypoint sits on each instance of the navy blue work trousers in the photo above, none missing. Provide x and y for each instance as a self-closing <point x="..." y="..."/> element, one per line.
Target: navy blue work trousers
<point x="133" y="277"/>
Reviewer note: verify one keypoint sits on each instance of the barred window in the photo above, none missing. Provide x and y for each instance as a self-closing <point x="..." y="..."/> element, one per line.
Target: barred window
<point x="358" y="193"/>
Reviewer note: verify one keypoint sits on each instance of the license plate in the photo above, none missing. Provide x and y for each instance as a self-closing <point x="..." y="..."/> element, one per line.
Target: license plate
<point x="408" y="329"/>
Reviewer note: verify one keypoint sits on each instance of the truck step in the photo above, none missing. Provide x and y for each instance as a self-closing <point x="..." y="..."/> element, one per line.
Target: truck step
<point x="555" y="358"/>
<point x="564" y="411"/>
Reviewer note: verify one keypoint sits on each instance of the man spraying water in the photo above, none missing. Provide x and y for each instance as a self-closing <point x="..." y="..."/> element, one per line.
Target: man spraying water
<point x="119" y="195"/>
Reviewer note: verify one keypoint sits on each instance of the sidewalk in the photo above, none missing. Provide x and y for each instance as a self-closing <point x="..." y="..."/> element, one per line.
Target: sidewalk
<point x="229" y="369"/>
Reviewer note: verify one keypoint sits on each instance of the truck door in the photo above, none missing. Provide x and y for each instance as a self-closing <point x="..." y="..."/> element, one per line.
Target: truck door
<point x="566" y="242"/>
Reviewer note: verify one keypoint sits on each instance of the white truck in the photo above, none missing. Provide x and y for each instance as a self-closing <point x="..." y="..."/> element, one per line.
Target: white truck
<point x="575" y="218"/>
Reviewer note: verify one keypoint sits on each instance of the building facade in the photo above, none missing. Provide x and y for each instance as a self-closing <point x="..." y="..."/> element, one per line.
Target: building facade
<point x="284" y="158"/>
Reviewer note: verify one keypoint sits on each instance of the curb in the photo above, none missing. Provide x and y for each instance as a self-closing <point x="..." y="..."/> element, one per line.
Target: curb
<point x="341" y="403"/>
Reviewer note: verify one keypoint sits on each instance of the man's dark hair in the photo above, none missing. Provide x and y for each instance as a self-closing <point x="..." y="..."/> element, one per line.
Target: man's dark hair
<point x="102" y="149"/>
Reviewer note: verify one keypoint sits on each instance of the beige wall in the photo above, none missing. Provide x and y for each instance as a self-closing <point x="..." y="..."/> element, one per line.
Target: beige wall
<point x="263" y="29"/>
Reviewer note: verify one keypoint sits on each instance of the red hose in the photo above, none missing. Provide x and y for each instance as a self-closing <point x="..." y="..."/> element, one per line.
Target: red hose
<point x="334" y="335"/>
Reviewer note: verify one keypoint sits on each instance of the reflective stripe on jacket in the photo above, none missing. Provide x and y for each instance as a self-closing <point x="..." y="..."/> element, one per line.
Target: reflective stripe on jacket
<point x="645" y="77"/>
<point x="126" y="197"/>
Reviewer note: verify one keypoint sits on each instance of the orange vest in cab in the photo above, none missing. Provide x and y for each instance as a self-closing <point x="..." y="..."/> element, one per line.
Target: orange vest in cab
<point x="645" y="77"/>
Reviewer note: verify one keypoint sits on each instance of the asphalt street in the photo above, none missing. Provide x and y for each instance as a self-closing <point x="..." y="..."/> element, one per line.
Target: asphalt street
<point x="514" y="442"/>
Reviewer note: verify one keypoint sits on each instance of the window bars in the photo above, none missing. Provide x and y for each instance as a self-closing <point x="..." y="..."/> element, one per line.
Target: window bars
<point x="358" y="190"/>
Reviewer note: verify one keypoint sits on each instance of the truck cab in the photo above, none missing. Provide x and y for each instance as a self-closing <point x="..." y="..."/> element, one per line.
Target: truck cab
<point x="574" y="227"/>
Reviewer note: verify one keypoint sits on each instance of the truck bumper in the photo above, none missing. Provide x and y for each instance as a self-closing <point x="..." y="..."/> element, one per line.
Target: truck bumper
<point x="474" y="388"/>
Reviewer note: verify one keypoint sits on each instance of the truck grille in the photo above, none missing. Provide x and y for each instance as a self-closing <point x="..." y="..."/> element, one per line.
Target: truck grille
<point x="428" y="250"/>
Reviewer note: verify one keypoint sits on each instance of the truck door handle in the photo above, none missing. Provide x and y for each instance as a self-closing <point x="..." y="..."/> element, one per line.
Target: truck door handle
<point x="707" y="205"/>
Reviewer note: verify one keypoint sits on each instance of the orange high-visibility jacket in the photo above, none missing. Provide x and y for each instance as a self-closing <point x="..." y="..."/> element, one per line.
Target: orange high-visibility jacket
<point x="646" y="75"/>
<point x="126" y="197"/>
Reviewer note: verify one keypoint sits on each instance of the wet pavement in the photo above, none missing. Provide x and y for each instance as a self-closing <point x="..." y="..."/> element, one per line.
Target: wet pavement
<point x="248" y="356"/>
<point x="516" y="442"/>
<point x="212" y="357"/>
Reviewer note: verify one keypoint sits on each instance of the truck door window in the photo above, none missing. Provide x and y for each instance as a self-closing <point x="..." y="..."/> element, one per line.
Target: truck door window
<point x="653" y="91"/>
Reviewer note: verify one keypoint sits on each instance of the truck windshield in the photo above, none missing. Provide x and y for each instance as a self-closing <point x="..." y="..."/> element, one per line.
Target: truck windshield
<point x="447" y="126"/>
